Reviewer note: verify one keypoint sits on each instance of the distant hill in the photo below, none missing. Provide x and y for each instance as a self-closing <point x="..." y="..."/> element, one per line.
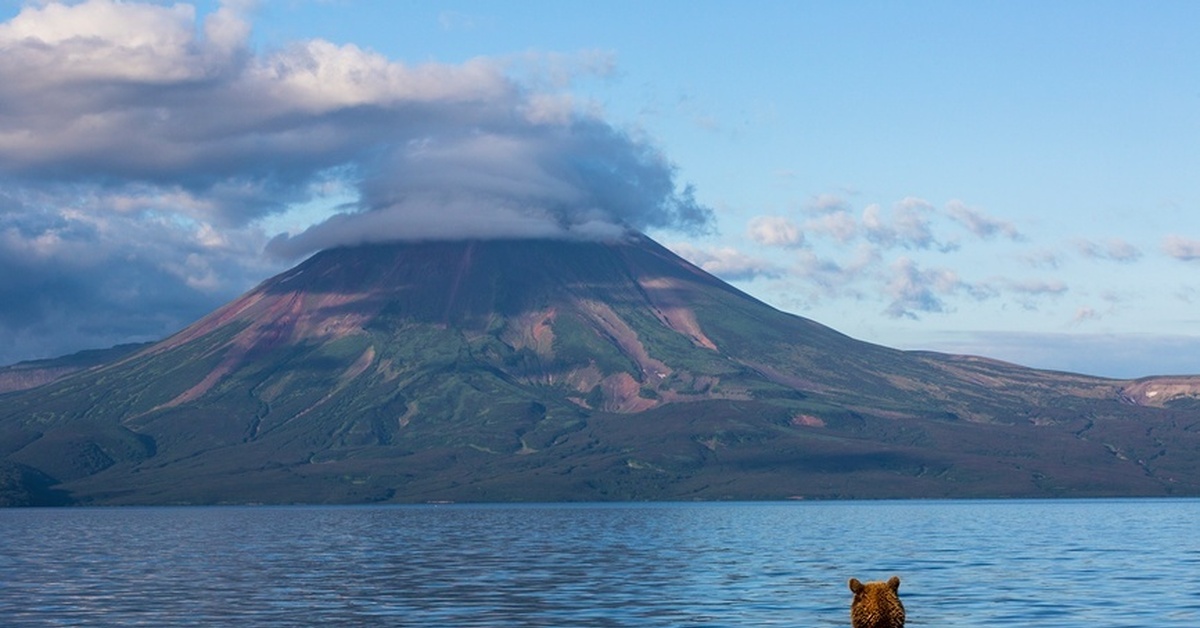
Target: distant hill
<point x="554" y="370"/>
<point x="34" y="373"/>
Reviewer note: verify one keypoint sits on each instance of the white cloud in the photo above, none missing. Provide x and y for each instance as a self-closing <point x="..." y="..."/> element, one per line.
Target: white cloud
<point x="775" y="231"/>
<point x="59" y="44"/>
<point x="727" y="262"/>
<point x="839" y="225"/>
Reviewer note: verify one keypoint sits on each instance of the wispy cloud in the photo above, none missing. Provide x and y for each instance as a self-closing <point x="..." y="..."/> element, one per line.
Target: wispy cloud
<point x="1036" y="287"/>
<point x="908" y="226"/>
<point x="839" y="224"/>
<point x="1029" y="294"/>
<point x="1181" y="248"/>
<point x="727" y="262"/>
<point x="912" y="223"/>
<point x="834" y="278"/>
<point x="916" y="228"/>
<point x="914" y="290"/>
<point x="979" y="223"/>
<point x="1084" y="314"/>
<point x="1041" y="258"/>
<point x="826" y="203"/>
<point x="458" y="21"/>
<point x="1127" y="355"/>
<point x="1113" y="249"/>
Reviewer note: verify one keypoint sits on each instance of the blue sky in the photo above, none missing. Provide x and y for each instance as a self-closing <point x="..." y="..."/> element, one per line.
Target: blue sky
<point x="1011" y="179"/>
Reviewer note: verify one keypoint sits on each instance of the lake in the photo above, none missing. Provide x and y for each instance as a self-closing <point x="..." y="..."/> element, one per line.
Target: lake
<point x="963" y="563"/>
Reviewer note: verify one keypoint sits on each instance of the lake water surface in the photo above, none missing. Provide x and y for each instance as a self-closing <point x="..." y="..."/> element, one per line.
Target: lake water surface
<point x="963" y="563"/>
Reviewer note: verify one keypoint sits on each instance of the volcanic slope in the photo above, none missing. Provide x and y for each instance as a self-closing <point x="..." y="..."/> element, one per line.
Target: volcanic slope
<point x="561" y="370"/>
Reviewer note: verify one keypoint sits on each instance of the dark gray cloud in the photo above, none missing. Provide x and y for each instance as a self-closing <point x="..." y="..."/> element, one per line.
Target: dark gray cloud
<point x="72" y="280"/>
<point x="142" y="147"/>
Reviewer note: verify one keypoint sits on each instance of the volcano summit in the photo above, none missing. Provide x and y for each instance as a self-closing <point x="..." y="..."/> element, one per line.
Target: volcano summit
<point x="521" y="370"/>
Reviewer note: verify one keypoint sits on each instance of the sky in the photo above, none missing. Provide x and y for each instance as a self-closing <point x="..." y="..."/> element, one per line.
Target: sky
<point x="1010" y="179"/>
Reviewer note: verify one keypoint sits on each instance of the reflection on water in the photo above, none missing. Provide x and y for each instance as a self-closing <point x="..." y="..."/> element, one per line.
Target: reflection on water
<point x="1053" y="563"/>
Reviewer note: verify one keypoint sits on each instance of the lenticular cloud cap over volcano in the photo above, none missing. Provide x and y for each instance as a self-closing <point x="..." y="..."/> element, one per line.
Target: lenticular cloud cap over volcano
<point x="579" y="180"/>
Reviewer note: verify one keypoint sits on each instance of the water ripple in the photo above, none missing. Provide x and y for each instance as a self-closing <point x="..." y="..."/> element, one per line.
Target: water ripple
<point x="1070" y="564"/>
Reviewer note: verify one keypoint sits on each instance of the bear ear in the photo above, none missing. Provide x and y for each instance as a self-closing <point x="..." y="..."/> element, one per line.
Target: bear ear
<point x="894" y="583"/>
<point x="855" y="585"/>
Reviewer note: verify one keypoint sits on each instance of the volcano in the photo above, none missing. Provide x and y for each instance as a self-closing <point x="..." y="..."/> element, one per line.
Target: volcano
<point x="539" y="370"/>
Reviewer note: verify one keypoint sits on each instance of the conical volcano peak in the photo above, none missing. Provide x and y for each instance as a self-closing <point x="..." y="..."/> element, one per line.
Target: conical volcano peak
<point x="577" y="315"/>
<point x="470" y="282"/>
<point x="445" y="265"/>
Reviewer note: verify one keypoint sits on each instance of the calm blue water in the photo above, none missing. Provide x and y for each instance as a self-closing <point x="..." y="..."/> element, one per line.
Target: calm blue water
<point x="1013" y="563"/>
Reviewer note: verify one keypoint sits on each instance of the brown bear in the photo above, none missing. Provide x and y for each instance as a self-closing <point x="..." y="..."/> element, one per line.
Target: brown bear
<point x="876" y="604"/>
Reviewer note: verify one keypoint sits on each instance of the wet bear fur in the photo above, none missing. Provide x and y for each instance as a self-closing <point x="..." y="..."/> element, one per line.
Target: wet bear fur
<point x="876" y="604"/>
